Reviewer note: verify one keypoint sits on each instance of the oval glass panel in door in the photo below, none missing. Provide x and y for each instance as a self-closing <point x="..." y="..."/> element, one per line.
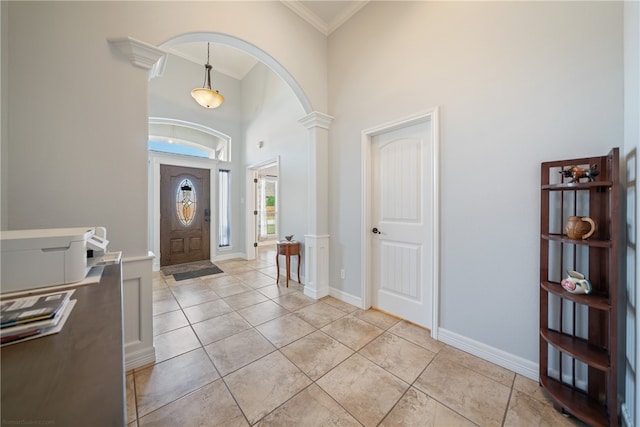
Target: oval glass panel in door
<point x="186" y="202"/>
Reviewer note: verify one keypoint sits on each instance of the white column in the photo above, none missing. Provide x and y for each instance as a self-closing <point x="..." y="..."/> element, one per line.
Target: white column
<point x="137" y="272"/>
<point x="316" y="241"/>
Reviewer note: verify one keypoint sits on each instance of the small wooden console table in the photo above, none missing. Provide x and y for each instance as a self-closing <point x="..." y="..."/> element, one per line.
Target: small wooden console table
<point x="287" y="248"/>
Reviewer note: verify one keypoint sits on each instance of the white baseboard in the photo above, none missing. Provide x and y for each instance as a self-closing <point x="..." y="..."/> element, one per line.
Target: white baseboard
<point x="311" y="293"/>
<point x="514" y="363"/>
<point x="345" y="297"/>
<point x="226" y="256"/>
<point x="509" y="361"/>
<point x="137" y="359"/>
<point x="524" y="367"/>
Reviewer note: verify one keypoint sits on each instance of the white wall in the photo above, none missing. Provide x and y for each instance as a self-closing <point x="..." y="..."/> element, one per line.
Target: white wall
<point x="74" y="111"/>
<point x="271" y="113"/>
<point x="518" y="83"/>
<point x="77" y="137"/>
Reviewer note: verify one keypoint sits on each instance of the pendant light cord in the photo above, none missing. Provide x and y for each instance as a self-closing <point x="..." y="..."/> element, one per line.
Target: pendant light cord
<point x="207" y="75"/>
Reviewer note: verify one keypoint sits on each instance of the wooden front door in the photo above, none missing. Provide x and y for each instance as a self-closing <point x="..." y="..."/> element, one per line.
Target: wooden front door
<point x="184" y="215"/>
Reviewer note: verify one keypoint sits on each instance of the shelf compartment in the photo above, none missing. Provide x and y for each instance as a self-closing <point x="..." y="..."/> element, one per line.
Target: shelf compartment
<point x="588" y="242"/>
<point x="576" y="402"/>
<point x="576" y="186"/>
<point x="597" y="301"/>
<point x="578" y="348"/>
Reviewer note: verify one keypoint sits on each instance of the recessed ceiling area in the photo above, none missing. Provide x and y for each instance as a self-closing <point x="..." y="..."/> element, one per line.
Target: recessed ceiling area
<point x="224" y="59"/>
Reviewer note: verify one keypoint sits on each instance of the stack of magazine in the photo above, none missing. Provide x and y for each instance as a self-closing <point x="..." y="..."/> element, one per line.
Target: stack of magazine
<point x="34" y="316"/>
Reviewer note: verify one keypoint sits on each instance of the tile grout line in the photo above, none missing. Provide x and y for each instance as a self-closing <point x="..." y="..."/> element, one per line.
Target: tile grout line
<point x="506" y="409"/>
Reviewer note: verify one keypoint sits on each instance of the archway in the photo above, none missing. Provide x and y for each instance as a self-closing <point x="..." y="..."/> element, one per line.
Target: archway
<point x="316" y="246"/>
<point x="250" y="49"/>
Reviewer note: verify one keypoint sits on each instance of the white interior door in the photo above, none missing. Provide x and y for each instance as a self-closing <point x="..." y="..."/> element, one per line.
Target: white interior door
<point x="402" y="222"/>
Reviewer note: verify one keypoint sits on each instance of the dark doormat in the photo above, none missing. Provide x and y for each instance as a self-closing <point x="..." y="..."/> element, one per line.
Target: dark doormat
<point x="191" y="270"/>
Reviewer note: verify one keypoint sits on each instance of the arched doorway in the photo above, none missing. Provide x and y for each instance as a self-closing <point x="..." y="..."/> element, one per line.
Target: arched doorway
<point x="315" y="125"/>
<point x="249" y="91"/>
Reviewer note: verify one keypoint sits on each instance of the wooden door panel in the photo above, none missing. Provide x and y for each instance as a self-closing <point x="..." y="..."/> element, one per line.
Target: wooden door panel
<point x="177" y="246"/>
<point x="184" y="227"/>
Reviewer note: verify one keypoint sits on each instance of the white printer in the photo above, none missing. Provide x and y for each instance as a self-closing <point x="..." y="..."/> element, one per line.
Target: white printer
<point x="47" y="257"/>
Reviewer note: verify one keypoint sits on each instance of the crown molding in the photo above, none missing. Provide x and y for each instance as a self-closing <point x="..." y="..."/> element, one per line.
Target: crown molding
<point x="313" y="19"/>
<point x="346" y="14"/>
<point x="318" y="23"/>
<point x="141" y="54"/>
<point x="316" y="119"/>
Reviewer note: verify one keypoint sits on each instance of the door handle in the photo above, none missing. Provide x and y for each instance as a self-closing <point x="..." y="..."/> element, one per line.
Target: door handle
<point x="376" y="231"/>
<point x="207" y="215"/>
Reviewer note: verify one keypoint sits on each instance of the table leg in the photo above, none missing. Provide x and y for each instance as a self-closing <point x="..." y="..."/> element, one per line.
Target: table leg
<point x="277" y="269"/>
<point x="299" y="269"/>
<point x="288" y="263"/>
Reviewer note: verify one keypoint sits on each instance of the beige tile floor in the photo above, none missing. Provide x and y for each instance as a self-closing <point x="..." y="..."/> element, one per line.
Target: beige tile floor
<point x="234" y="349"/>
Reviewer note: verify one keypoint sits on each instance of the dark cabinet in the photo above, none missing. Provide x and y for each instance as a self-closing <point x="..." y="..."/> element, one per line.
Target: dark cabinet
<point x="75" y="377"/>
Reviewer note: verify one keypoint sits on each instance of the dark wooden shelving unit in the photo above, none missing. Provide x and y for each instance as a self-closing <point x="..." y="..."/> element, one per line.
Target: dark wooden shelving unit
<point x="578" y="333"/>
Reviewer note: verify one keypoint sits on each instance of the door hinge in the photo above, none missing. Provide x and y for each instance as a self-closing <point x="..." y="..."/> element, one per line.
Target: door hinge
<point x="255" y="212"/>
<point x="255" y="244"/>
<point x="255" y="180"/>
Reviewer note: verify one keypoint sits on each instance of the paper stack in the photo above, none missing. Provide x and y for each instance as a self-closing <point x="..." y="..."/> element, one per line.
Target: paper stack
<point x="34" y="316"/>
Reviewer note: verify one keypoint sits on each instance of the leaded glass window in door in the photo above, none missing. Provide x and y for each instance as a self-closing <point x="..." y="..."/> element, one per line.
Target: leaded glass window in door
<point x="186" y="202"/>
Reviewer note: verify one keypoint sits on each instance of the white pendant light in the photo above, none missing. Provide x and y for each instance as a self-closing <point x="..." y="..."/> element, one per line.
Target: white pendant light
<point x="204" y="95"/>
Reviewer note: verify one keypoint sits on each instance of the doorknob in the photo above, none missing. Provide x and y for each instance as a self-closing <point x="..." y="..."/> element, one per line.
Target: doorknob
<point x="376" y="231"/>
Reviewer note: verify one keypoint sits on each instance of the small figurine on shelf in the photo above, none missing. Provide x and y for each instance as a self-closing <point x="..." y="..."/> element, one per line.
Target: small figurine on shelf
<point x="576" y="173"/>
<point x="576" y="283"/>
<point x="289" y="237"/>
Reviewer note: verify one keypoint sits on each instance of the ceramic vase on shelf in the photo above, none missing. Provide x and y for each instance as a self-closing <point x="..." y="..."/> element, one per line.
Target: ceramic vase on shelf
<point x="580" y="228"/>
<point x="576" y="283"/>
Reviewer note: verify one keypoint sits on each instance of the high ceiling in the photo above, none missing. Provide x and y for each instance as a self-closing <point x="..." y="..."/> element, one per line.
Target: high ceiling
<point x="326" y="16"/>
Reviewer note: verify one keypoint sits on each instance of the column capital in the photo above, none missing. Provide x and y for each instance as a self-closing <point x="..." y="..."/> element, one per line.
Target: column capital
<point x="316" y="119"/>
<point x="141" y="54"/>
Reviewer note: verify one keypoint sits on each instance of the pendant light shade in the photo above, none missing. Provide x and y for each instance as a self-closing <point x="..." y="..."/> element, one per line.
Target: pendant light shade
<point x="204" y="95"/>
<point x="207" y="98"/>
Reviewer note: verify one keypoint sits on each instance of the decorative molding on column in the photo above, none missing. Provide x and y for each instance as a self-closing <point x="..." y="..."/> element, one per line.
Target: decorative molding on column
<point x="316" y="266"/>
<point x="317" y="240"/>
<point x="142" y="55"/>
<point x="137" y="296"/>
<point x="316" y="119"/>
